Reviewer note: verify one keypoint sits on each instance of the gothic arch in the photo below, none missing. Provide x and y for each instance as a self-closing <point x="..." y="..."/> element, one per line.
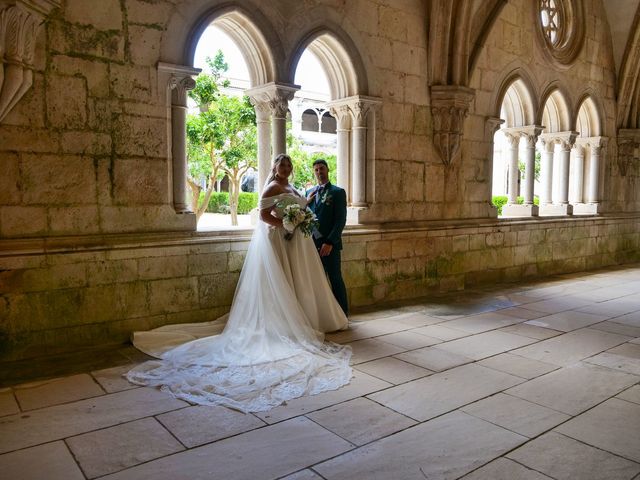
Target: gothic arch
<point x="339" y="58"/>
<point x="516" y="101"/>
<point x="555" y="112"/>
<point x="588" y="118"/>
<point x="249" y="28"/>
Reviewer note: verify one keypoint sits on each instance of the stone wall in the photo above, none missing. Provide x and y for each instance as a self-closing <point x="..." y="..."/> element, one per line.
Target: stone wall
<point x="61" y="295"/>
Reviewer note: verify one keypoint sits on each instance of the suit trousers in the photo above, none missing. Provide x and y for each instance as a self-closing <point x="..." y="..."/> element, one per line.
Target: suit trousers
<point x="331" y="264"/>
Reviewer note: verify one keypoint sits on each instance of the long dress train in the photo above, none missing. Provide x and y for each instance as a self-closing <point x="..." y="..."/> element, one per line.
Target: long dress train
<point x="271" y="349"/>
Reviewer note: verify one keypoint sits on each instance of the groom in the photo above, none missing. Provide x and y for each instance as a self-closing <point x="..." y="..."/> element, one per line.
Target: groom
<point x="329" y="203"/>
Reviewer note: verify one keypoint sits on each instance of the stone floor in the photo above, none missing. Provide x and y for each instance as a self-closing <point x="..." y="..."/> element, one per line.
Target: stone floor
<point x="526" y="382"/>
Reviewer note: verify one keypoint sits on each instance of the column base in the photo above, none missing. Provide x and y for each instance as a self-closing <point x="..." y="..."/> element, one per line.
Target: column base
<point x="552" y="209"/>
<point x="516" y="210"/>
<point x="586" y="208"/>
<point x="356" y="215"/>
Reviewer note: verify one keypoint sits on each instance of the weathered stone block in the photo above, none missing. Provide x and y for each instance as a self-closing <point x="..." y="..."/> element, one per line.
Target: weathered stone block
<point x="162" y="267"/>
<point x="130" y="82"/>
<point x="173" y="295"/>
<point x="53" y="179"/>
<point x="89" y="143"/>
<point x="70" y="220"/>
<point x="155" y="13"/>
<point x="140" y="181"/>
<point x="378" y="250"/>
<point x="402" y="248"/>
<point x="140" y="136"/>
<point x="207" y="263"/>
<point x="413" y="181"/>
<point x="144" y="44"/>
<point x="10" y="179"/>
<point x="112" y="271"/>
<point x="102" y="15"/>
<point x="354" y="251"/>
<point x="17" y="221"/>
<point x="25" y="139"/>
<point x="355" y="274"/>
<point x="217" y="290"/>
<point x="96" y="73"/>
<point x="236" y="261"/>
<point x="382" y="271"/>
<point x="392" y="23"/>
<point x="66" y="102"/>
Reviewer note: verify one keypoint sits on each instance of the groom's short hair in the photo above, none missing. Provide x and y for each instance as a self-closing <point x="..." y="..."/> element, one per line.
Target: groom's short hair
<point x="320" y="161"/>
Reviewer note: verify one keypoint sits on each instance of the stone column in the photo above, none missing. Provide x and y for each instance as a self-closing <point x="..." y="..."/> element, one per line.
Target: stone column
<point x="577" y="173"/>
<point x="180" y="81"/>
<point x="561" y="204"/>
<point x="20" y="23"/>
<point x="546" y="169"/>
<point x="359" y="111"/>
<point x="491" y="126"/>
<point x="343" y="133"/>
<point x="513" y="137"/>
<point x="263" y="126"/>
<point x="530" y="134"/>
<point x="592" y="200"/>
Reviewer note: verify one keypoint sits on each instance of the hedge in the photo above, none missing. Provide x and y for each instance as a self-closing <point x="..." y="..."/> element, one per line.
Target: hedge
<point x="500" y="200"/>
<point x="219" y="202"/>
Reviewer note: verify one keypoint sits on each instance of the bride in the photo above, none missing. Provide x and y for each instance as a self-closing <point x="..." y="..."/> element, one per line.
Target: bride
<point x="271" y="349"/>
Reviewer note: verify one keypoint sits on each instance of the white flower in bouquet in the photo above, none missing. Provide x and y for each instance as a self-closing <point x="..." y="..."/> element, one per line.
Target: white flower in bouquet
<point x="294" y="216"/>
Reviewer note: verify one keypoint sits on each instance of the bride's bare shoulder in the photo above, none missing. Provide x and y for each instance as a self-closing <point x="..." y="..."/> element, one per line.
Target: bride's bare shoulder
<point x="273" y="189"/>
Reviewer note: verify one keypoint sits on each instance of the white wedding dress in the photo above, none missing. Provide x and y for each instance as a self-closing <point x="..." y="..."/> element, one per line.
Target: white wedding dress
<point x="271" y="349"/>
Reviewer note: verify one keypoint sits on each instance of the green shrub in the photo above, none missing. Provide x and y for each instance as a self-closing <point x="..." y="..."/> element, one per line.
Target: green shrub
<point x="219" y="202"/>
<point x="501" y="200"/>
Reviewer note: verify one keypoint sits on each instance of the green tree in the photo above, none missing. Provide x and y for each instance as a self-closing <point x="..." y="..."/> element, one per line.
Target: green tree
<point x="221" y="139"/>
<point x="303" y="162"/>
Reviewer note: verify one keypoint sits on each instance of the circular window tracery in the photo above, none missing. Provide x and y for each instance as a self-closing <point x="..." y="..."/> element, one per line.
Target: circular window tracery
<point x="560" y="29"/>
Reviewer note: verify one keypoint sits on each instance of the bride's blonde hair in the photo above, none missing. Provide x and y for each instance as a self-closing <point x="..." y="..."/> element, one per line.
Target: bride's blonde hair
<point x="276" y="161"/>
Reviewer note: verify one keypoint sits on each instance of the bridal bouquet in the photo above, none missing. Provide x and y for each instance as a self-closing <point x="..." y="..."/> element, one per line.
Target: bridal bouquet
<point x="294" y="216"/>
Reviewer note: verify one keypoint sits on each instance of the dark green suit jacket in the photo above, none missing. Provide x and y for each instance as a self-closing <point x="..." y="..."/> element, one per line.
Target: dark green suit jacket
<point x="331" y="211"/>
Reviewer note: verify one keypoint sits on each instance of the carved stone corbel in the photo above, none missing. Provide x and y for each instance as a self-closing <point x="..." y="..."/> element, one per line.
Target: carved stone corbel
<point x="449" y="107"/>
<point x="20" y="23"/>
<point x="628" y="142"/>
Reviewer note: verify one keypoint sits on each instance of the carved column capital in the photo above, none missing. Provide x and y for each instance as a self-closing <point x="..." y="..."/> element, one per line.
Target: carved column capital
<point x="449" y="107"/>
<point x="274" y="96"/>
<point x="357" y="107"/>
<point x="20" y="23"/>
<point x="342" y="115"/>
<point x="180" y="80"/>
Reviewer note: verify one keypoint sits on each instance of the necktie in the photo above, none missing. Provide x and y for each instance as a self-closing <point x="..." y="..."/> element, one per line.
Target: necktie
<point x="319" y="194"/>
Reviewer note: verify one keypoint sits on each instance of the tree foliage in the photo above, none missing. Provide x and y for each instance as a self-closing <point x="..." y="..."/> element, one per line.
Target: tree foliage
<point x="221" y="139"/>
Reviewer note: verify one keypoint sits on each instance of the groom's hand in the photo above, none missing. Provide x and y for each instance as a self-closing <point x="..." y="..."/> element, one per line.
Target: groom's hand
<point x="325" y="249"/>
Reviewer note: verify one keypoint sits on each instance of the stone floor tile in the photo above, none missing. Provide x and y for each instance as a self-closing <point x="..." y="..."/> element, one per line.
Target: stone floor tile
<point x="563" y="458"/>
<point x="522" y="313"/>
<point x="8" y="404"/>
<point x="556" y="305"/>
<point x="619" y="328"/>
<point x="625" y="357"/>
<point x="518" y="366"/>
<point x="483" y="322"/>
<point x="433" y="358"/>
<point x="112" y="380"/>
<point x="515" y="414"/>
<point x="265" y="453"/>
<point x="612" y="308"/>
<point x="443" y="448"/>
<point x="200" y="424"/>
<point x="485" y="344"/>
<point x="372" y="348"/>
<point x="393" y="370"/>
<point x="567" y="321"/>
<point x="631" y="319"/>
<point x="571" y="347"/>
<point x="613" y="426"/>
<point x="113" y="449"/>
<point x="61" y="421"/>
<point x="631" y="394"/>
<point x="418" y="320"/>
<point x="441" y="332"/>
<point x="531" y="331"/>
<point x="303" y="475"/>
<point x="574" y="389"/>
<point x="51" y="461"/>
<point x="408" y="340"/>
<point x="361" y="421"/>
<point x="505" y="469"/>
<point x="361" y="384"/>
<point x="431" y="396"/>
<point x="56" y="391"/>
